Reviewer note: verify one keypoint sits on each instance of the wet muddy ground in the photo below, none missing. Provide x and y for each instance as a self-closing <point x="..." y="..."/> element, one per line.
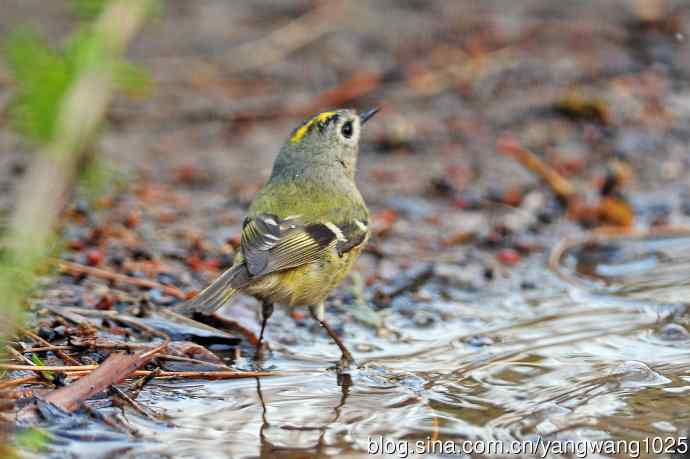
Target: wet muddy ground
<point x="462" y="329"/>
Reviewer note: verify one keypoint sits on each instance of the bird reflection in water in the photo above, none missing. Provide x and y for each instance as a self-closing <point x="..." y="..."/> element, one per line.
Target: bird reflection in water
<point x="269" y="450"/>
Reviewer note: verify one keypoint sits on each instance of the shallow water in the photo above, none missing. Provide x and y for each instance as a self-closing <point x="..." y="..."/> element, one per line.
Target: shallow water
<point x="606" y="359"/>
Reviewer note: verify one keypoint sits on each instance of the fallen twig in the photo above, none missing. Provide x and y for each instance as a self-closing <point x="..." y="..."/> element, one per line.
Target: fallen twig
<point x="211" y="375"/>
<point x="111" y="422"/>
<point x="19" y="356"/>
<point x="559" y="184"/>
<point x="35" y="369"/>
<point x="116" y="317"/>
<point x="19" y="381"/>
<point x="74" y="318"/>
<point x="103" y="343"/>
<point x="88" y="369"/>
<point x="138" y="407"/>
<point x="59" y="353"/>
<point x="117" y="367"/>
<point x="287" y="39"/>
<point x="66" y="368"/>
<point x="148" y="375"/>
<point x="139" y="384"/>
<point x="410" y="280"/>
<point x="48" y="349"/>
<point x="177" y="358"/>
<point x="76" y="268"/>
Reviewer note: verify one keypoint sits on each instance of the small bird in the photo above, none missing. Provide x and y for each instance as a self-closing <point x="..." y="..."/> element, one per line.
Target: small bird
<point x="305" y="228"/>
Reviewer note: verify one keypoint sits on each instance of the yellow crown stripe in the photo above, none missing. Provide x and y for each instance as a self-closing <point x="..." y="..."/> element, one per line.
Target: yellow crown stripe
<point x="302" y="131"/>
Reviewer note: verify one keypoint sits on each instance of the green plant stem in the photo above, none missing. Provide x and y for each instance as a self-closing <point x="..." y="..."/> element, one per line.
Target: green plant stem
<point x="42" y="194"/>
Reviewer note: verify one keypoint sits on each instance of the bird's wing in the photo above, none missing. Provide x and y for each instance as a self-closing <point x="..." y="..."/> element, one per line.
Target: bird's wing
<point x="354" y="234"/>
<point x="271" y="244"/>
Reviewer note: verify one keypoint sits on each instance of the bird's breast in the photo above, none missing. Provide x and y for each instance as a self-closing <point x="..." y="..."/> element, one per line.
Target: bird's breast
<point x="305" y="285"/>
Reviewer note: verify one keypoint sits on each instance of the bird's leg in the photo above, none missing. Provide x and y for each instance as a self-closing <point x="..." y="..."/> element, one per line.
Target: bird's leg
<point x="266" y="311"/>
<point x="317" y="313"/>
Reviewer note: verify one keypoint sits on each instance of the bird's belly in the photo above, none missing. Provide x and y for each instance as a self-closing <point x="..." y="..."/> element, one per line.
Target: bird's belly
<point x="305" y="285"/>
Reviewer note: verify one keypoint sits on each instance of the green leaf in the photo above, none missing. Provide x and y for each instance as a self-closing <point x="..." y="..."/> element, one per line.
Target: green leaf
<point x="33" y="439"/>
<point x="42" y="77"/>
<point x="39" y="363"/>
<point x="88" y="8"/>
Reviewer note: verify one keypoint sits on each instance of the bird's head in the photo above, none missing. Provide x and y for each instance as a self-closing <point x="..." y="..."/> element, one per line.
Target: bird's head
<point x="330" y="138"/>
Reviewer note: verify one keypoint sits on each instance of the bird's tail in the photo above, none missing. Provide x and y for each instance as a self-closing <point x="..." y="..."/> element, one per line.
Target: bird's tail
<point x="217" y="294"/>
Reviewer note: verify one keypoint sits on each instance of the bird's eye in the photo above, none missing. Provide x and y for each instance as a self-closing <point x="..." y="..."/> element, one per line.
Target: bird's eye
<point x="347" y="130"/>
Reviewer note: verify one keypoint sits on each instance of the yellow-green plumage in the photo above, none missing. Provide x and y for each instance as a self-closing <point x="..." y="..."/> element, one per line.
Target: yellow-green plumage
<point x="311" y="283"/>
<point x="306" y="226"/>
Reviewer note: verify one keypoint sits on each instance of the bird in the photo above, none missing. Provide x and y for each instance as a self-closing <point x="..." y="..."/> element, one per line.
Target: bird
<point x="304" y="229"/>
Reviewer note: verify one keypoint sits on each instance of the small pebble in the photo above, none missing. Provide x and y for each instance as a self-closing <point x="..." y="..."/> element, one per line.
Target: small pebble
<point x="59" y="331"/>
<point x="442" y="186"/>
<point x="105" y="303"/>
<point x="508" y="257"/>
<point x="47" y="334"/>
<point x="18" y="168"/>
<point x="424" y="318"/>
<point x="479" y="341"/>
<point x="132" y="220"/>
<point x="468" y="201"/>
<point x="157" y="297"/>
<point x="94" y="257"/>
<point x="140" y="253"/>
<point x="674" y="332"/>
<point x="81" y="208"/>
<point x="363" y="347"/>
<point x="168" y="279"/>
<point x="117" y="261"/>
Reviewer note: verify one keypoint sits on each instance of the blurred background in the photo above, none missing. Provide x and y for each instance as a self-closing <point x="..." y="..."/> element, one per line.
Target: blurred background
<point x="470" y="333"/>
<point x="230" y="80"/>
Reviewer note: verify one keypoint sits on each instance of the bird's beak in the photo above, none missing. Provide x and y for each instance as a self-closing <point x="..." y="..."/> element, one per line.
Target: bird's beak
<point x="364" y="117"/>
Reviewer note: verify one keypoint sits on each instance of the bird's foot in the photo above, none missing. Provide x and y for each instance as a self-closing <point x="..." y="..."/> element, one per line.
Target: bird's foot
<point x="346" y="363"/>
<point x="262" y="350"/>
<point x="344" y="369"/>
